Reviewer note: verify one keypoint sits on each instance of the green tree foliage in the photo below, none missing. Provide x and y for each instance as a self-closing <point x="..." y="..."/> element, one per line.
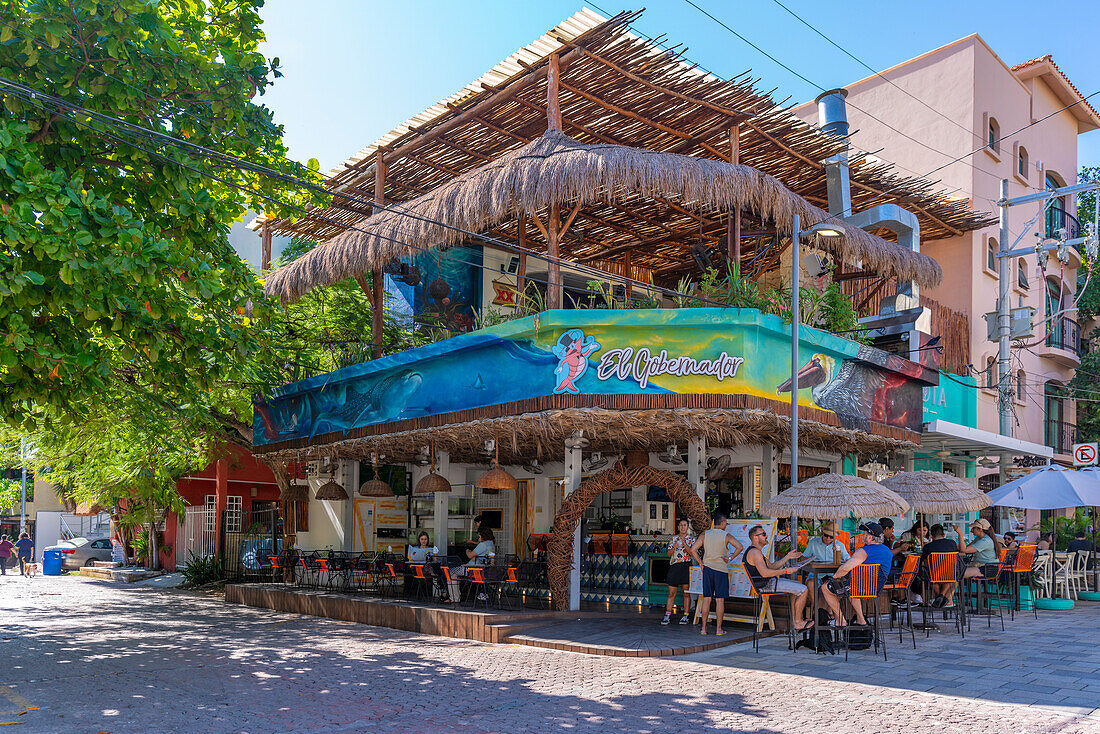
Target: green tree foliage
<point x="1083" y="385"/>
<point x="116" y="273"/>
<point x="1088" y="300"/>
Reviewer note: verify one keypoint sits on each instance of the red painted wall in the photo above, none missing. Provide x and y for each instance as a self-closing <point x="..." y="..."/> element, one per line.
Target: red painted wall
<point x="245" y="474"/>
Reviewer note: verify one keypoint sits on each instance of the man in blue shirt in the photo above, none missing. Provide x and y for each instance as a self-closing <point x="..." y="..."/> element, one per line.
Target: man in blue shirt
<point x="24" y="548"/>
<point x="840" y="585"/>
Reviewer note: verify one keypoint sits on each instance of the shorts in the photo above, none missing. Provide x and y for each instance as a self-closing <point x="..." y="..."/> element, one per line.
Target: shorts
<point x="679" y="574"/>
<point x="716" y="584"/>
<point x="776" y="585"/>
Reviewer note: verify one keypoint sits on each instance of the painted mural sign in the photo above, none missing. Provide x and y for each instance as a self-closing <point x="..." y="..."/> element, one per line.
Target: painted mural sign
<point x="604" y="352"/>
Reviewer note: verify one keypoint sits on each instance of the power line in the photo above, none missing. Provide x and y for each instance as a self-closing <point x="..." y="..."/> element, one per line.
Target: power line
<point x="850" y="104"/>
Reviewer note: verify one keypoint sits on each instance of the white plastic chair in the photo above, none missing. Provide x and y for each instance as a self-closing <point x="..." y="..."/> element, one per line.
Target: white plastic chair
<point x="1042" y="573"/>
<point x="1063" y="586"/>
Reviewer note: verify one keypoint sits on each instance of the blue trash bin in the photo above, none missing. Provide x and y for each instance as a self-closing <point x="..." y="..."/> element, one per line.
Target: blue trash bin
<point x="51" y="562"/>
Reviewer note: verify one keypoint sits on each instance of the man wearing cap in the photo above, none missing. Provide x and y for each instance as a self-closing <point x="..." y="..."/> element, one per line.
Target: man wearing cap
<point x="984" y="547"/>
<point x="822" y="548"/>
<point x="840" y="585"/>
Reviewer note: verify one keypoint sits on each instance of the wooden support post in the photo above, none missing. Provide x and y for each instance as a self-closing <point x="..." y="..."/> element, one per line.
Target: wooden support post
<point x="221" y="500"/>
<point x="521" y="271"/>
<point x="265" y="248"/>
<point x="553" y="266"/>
<point x="733" y="232"/>
<point x="378" y="276"/>
<point x="629" y="274"/>
<point x="553" y="103"/>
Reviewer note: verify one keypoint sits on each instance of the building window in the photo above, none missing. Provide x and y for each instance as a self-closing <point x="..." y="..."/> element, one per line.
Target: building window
<point x="1021" y="385"/>
<point x="1021" y="162"/>
<point x="1021" y="273"/>
<point x="233" y="510"/>
<point x="209" y="521"/>
<point x="991" y="255"/>
<point x="993" y="135"/>
<point x="990" y="373"/>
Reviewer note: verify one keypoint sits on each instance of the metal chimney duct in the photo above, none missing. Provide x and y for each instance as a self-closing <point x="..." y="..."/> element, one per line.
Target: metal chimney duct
<point x="832" y="113"/>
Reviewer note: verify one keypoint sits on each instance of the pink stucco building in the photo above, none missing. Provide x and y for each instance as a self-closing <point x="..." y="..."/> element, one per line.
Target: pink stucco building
<point x="924" y="113"/>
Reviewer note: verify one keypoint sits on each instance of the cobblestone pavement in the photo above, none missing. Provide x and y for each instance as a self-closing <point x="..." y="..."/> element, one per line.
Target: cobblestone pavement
<point x="92" y="656"/>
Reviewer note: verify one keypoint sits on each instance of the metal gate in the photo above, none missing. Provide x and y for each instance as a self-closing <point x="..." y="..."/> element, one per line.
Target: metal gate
<point x="196" y="536"/>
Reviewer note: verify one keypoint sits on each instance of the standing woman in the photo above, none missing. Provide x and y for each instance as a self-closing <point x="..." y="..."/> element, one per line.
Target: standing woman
<point x="679" y="570"/>
<point x="6" y="549"/>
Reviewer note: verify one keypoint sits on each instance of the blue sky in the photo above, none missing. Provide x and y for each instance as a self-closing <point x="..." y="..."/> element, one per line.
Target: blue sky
<point x="355" y="69"/>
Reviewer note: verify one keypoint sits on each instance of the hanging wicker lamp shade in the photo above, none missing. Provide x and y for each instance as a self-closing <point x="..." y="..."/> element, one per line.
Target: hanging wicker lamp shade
<point x="496" y="478"/>
<point x="332" y="492"/>
<point x="431" y="484"/>
<point x="375" y="488"/>
<point x="295" y="493"/>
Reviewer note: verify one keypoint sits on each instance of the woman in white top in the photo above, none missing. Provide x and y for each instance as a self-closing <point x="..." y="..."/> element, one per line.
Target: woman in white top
<point x="478" y="556"/>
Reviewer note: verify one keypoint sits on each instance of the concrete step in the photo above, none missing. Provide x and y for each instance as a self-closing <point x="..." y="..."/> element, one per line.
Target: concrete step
<point x="107" y="564"/>
<point x="125" y="575"/>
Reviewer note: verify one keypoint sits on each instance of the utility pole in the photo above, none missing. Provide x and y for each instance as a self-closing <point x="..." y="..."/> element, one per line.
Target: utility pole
<point x="1004" y="268"/>
<point x="796" y="242"/>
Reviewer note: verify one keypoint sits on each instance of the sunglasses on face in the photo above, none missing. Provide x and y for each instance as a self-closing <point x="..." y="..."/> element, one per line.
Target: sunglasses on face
<point x="826" y="537"/>
<point x="761" y="535"/>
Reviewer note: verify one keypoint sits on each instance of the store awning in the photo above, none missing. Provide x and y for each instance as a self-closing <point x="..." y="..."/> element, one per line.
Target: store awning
<point x="941" y="435"/>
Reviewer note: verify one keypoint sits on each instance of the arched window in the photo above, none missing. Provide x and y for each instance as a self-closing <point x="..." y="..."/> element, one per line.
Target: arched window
<point x="993" y="135"/>
<point x="1021" y="273"/>
<point x="1058" y="214"/>
<point x="990" y="372"/>
<point x="1021" y="162"/>
<point x="991" y="255"/>
<point x="1021" y="385"/>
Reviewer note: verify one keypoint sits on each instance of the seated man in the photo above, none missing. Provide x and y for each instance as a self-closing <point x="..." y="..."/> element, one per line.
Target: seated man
<point x="943" y="595"/>
<point x="1079" y="543"/>
<point x="765" y="577"/>
<point x="822" y="548"/>
<point x="840" y="585"/>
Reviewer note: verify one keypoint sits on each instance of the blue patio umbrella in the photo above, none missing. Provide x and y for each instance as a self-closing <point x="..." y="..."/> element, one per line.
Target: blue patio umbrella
<point x="1050" y="488"/>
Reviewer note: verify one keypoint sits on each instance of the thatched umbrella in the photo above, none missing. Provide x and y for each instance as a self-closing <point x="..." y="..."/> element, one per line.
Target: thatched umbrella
<point x="87" y="509"/>
<point x="833" y="497"/>
<point x="933" y="492"/>
<point x="556" y="169"/>
<point x="332" y="492"/>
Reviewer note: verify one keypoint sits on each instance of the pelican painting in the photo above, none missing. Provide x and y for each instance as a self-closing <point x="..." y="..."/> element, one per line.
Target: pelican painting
<point x="859" y="392"/>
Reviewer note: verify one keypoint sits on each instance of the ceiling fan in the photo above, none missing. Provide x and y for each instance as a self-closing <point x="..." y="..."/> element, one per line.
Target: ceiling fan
<point x="671" y="456"/>
<point x="577" y="441"/>
<point x="593" y="462"/>
<point x="534" y="467"/>
<point x="717" y="466"/>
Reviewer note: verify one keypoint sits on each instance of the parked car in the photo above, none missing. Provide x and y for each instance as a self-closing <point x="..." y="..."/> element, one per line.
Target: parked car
<point x="80" y="552"/>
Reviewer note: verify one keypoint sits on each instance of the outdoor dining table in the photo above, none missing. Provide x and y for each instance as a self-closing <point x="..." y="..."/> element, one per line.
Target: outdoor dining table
<point x="812" y="575"/>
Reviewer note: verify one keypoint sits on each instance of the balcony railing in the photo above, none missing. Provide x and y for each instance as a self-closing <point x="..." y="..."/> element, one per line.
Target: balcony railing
<point x="1056" y="219"/>
<point x="1065" y="334"/>
<point x="1060" y="436"/>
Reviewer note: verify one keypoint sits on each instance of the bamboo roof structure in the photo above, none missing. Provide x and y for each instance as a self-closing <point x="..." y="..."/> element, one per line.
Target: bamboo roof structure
<point x="554" y="168"/>
<point x="614" y="90"/>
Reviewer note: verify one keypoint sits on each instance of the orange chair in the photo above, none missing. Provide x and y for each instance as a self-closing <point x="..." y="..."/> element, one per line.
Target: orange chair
<point x="845" y="537"/>
<point x="857" y="542"/>
<point x="599" y="544"/>
<point x="904" y="583"/>
<point x="1001" y="594"/>
<point x="865" y="587"/>
<point x="476" y="577"/>
<point x="803" y="538"/>
<point x="620" y="545"/>
<point x="943" y="568"/>
<point x="1025" y="559"/>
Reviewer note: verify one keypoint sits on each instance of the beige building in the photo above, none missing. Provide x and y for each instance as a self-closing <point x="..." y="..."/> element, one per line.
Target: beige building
<point x="926" y="112"/>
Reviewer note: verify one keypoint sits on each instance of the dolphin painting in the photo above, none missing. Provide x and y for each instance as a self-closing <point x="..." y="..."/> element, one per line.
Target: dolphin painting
<point x="350" y="407"/>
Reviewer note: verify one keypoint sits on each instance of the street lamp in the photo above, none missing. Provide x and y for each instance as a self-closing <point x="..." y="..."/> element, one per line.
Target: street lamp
<point x="797" y="236"/>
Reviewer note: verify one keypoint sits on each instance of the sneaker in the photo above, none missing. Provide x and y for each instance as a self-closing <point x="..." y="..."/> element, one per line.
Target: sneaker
<point x="917" y="599"/>
<point x="939" y="602"/>
<point x="483" y="597"/>
<point x="684" y="620"/>
<point x="667" y="619"/>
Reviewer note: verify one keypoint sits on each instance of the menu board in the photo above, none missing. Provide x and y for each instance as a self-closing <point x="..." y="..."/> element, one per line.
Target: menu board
<point x="739" y="582"/>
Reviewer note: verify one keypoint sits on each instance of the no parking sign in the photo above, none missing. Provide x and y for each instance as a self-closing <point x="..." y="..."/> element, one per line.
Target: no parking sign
<point x="1084" y="454"/>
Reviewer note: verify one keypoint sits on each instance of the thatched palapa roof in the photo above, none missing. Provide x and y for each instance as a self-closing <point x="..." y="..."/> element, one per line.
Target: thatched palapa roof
<point x="554" y="168"/>
<point x="934" y="492"/>
<point x="617" y="89"/>
<point x="835" y="496"/>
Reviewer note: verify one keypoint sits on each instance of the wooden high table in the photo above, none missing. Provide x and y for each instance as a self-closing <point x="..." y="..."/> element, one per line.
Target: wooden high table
<point x="813" y="582"/>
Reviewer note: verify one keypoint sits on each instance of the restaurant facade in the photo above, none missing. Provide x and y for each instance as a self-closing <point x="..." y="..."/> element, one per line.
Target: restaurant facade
<point x="604" y="231"/>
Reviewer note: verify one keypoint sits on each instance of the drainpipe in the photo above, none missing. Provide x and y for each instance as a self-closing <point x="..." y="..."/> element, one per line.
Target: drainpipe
<point x="902" y="311"/>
